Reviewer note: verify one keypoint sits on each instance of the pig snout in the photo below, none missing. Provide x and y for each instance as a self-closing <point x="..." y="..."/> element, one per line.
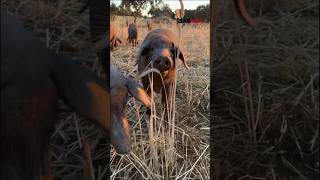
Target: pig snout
<point x="162" y="63"/>
<point x="162" y="60"/>
<point x="120" y="137"/>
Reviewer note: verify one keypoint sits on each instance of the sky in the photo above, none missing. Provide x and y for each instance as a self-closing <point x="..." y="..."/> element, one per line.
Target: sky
<point x="174" y="4"/>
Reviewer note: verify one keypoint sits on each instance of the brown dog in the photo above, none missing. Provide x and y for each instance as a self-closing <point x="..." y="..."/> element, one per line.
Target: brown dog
<point x="159" y="50"/>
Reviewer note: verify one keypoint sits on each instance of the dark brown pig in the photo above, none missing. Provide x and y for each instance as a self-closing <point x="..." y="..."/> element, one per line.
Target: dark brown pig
<point x="114" y="36"/>
<point x="120" y="87"/>
<point x="159" y="50"/>
<point x="33" y="78"/>
<point x="133" y="34"/>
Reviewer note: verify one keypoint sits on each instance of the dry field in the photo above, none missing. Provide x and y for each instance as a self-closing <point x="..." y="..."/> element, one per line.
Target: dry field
<point x="184" y="153"/>
<point x="283" y="67"/>
<point x="266" y="93"/>
<point x="59" y="25"/>
<point x="176" y="147"/>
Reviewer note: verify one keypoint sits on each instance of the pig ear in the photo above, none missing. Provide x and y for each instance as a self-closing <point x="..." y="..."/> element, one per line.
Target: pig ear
<point x="180" y="55"/>
<point x="138" y="92"/>
<point x="143" y="51"/>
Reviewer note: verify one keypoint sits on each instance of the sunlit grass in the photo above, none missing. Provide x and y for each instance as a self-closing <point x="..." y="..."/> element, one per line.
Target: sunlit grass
<point x="174" y="144"/>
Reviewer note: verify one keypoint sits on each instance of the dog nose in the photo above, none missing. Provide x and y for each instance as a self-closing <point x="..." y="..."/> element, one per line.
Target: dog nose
<point x="162" y="63"/>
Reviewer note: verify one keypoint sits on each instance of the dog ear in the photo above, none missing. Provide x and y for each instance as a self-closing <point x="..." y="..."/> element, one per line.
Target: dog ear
<point x="177" y="53"/>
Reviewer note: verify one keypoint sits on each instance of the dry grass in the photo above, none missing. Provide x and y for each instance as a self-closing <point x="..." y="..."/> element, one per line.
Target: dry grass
<point x="62" y="29"/>
<point x="283" y="69"/>
<point x="184" y="152"/>
<point x="175" y="146"/>
<point x="266" y="96"/>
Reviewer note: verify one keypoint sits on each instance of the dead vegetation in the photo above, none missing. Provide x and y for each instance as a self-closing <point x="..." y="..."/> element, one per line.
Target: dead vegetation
<point x="282" y="141"/>
<point x="59" y="25"/>
<point x="174" y="146"/>
<point x="266" y="95"/>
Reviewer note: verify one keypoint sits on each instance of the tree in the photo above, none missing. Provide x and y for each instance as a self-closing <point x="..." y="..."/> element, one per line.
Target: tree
<point x="202" y="12"/>
<point x="164" y="10"/>
<point x="189" y="13"/>
<point x="154" y="11"/>
<point x="114" y="9"/>
<point x="139" y="5"/>
<point x="125" y="10"/>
